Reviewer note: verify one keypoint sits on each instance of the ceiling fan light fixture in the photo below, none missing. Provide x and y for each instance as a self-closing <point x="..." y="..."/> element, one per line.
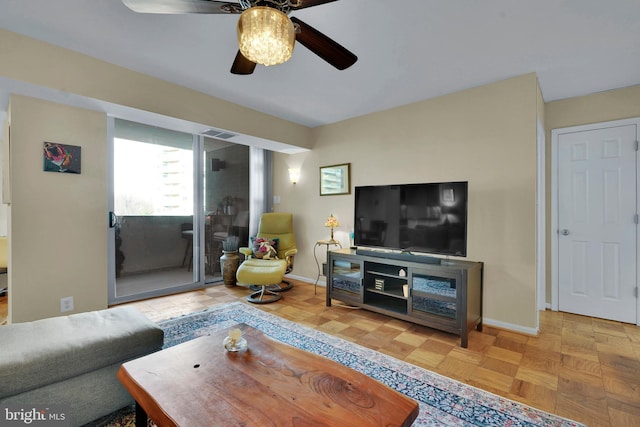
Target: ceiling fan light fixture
<point x="266" y="35"/>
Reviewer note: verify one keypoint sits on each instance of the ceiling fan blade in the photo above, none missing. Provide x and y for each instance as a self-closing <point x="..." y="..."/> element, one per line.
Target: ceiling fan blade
<point x="182" y="6"/>
<point x="242" y="65"/>
<point x="323" y="46"/>
<point x="309" y="3"/>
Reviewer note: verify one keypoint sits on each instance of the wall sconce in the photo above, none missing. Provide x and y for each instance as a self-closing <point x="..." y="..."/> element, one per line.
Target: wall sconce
<point x="217" y="164"/>
<point x="294" y="175"/>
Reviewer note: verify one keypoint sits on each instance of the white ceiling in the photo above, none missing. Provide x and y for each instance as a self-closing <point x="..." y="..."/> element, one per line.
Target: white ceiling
<point x="408" y="50"/>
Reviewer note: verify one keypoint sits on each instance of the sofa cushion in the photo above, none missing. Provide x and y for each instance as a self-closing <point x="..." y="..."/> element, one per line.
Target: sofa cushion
<point x="45" y="351"/>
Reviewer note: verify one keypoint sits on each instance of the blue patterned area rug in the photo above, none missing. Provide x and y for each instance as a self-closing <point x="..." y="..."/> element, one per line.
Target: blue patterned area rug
<point x="443" y="401"/>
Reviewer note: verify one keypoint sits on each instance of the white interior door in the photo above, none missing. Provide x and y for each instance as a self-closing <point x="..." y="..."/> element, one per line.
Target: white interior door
<point x="597" y="258"/>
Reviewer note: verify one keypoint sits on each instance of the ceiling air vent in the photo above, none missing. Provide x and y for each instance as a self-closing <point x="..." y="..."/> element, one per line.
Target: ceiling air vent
<point x="221" y="134"/>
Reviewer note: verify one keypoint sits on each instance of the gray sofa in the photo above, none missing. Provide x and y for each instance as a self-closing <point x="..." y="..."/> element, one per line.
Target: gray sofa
<point x="72" y="361"/>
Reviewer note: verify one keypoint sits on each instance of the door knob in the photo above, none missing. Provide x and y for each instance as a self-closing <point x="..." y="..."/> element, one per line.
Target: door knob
<point x="564" y="232"/>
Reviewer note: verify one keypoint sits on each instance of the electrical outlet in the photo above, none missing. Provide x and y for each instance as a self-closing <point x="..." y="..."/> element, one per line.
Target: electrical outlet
<point x="66" y="304"/>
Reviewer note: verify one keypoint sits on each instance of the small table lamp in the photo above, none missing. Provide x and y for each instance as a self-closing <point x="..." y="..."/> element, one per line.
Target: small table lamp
<point x="332" y="222"/>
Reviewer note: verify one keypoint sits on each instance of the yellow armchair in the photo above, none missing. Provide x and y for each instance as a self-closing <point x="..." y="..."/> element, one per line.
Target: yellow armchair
<point x="266" y="276"/>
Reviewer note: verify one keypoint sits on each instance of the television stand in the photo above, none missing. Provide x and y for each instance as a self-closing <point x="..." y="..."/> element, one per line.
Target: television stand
<point x="446" y="296"/>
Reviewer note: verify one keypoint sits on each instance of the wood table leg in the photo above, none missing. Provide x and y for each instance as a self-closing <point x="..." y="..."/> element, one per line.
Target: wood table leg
<point x="141" y="416"/>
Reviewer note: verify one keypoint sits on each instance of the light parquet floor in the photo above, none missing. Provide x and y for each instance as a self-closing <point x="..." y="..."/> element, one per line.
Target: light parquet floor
<point x="578" y="367"/>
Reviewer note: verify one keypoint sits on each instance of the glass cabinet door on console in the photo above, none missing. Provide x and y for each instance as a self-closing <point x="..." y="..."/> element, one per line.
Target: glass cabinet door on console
<point x="345" y="279"/>
<point x="435" y="297"/>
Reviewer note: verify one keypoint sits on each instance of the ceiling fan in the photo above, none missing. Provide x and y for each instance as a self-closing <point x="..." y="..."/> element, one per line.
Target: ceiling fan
<point x="253" y="15"/>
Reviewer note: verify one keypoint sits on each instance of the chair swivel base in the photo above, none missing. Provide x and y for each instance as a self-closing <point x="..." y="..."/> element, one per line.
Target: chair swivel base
<point x="280" y="287"/>
<point x="263" y="296"/>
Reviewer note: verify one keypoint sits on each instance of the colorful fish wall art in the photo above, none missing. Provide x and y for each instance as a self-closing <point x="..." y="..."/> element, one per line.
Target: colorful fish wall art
<point x="61" y="158"/>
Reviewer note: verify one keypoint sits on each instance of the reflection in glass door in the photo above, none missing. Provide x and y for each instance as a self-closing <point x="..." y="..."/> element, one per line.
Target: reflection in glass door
<point x="225" y="202"/>
<point x="156" y="236"/>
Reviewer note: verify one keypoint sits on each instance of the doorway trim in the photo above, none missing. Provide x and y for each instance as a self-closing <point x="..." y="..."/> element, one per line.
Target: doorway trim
<point x="541" y="222"/>
<point x="555" y="134"/>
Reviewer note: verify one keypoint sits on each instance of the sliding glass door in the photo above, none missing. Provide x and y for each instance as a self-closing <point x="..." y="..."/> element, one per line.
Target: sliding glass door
<point x="225" y="201"/>
<point x="176" y="197"/>
<point x="154" y="194"/>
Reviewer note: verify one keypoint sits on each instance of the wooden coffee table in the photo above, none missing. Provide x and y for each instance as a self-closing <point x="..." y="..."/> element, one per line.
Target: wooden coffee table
<point x="199" y="383"/>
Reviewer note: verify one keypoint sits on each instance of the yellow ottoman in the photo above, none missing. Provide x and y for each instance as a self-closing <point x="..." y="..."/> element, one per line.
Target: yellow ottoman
<point x="262" y="273"/>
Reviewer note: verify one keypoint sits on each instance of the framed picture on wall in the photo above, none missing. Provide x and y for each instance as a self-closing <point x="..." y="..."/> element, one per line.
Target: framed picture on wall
<point x="61" y="158"/>
<point x="335" y="179"/>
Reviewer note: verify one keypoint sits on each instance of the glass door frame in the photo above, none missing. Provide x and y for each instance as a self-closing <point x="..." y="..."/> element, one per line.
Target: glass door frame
<point x="198" y="225"/>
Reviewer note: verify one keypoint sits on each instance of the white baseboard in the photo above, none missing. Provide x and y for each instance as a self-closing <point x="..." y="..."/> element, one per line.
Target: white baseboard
<point x="321" y="282"/>
<point x="509" y="326"/>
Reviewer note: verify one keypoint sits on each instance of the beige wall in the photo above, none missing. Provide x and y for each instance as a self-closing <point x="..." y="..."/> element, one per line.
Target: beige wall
<point x="485" y="135"/>
<point x="50" y="244"/>
<point x="4" y="212"/>
<point x="600" y="107"/>
<point x="57" y="221"/>
<point x="46" y="65"/>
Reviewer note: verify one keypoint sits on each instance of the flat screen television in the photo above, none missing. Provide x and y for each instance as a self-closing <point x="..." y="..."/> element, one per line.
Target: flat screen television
<point x="426" y="218"/>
